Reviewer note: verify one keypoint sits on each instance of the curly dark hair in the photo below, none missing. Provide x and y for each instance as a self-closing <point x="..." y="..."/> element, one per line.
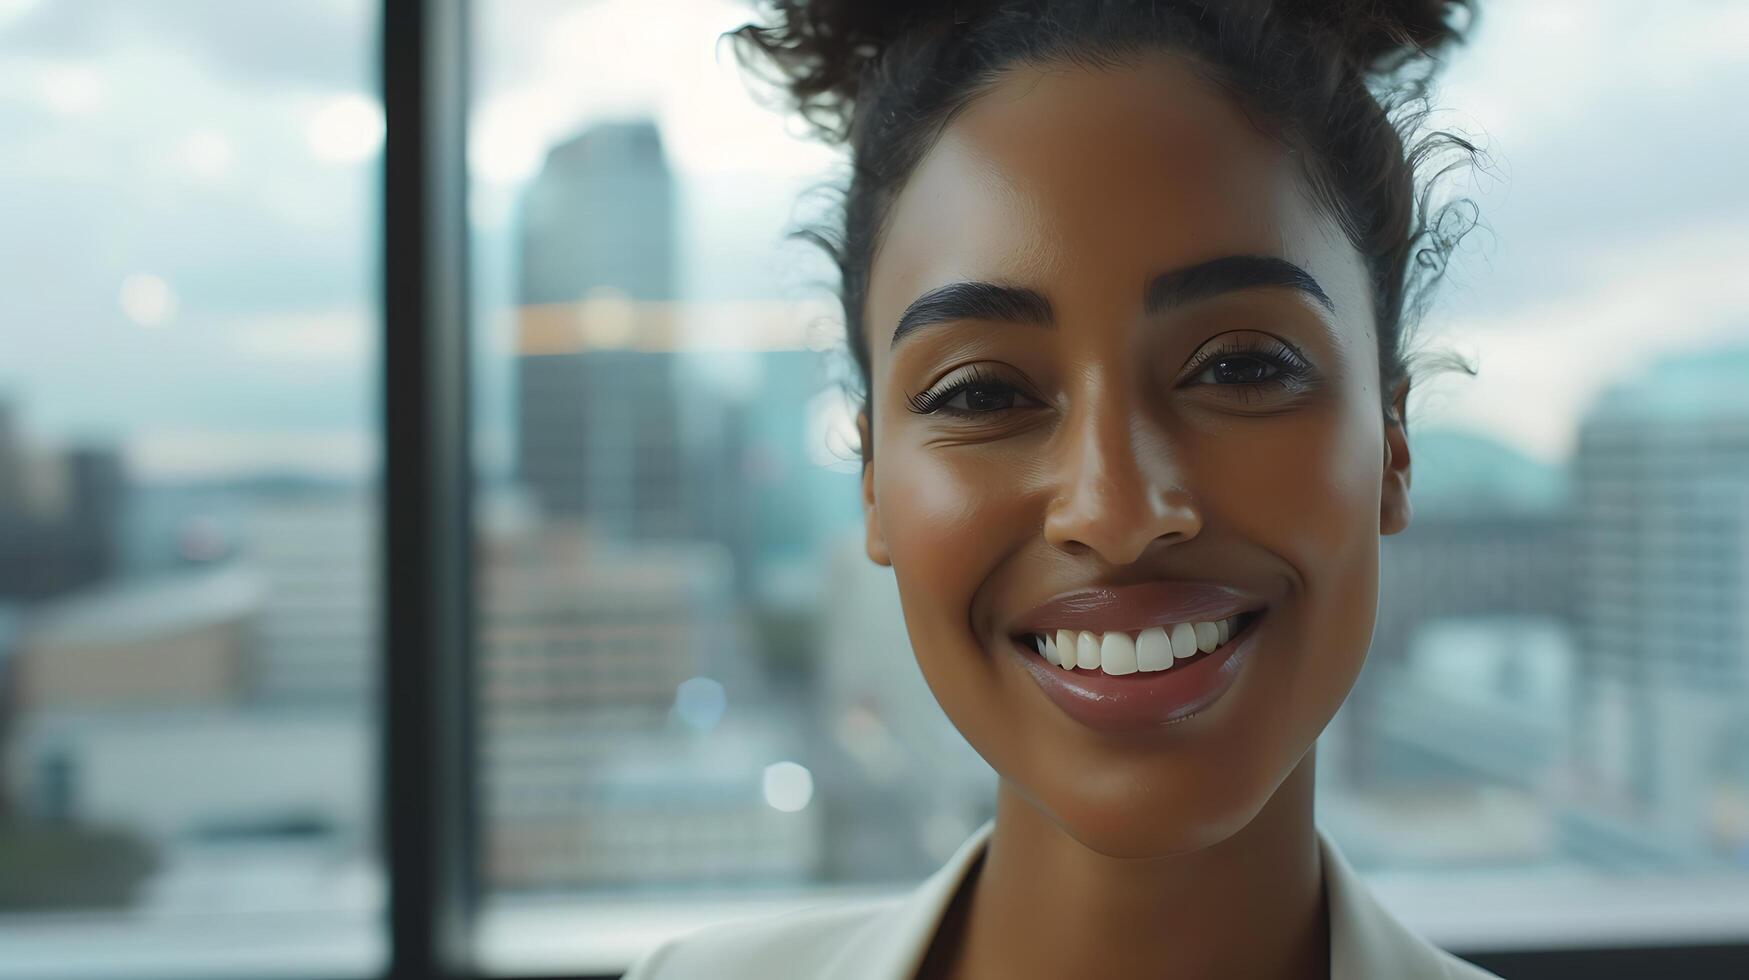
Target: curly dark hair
<point x="1342" y="82"/>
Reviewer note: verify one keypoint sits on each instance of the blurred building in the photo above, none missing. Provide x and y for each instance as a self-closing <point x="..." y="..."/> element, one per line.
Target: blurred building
<point x="316" y="555"/>
<point x="59" y="516"/>
<point x="1445" y="749"/>
<point x="903" y="787"/>
<point x="598" y="431"/>
<point x="1662" y="474"/>
<point x="175" y="642"/>
<point x="600" y="216"/>
<point x="595" y="773"/>
<point x="138" y="706"/>
<point x="800" y="470"/>
<point x="1491" y="537"/>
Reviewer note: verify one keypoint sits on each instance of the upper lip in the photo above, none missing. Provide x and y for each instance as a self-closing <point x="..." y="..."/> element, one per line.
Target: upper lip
<point x="1132" y="608"/>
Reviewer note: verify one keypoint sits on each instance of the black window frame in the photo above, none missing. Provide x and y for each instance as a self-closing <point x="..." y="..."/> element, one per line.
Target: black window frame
<point x="428" y="773"/>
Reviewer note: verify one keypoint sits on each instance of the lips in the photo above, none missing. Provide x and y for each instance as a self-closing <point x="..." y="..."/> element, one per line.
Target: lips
<point x="1134" y="608"/>
<point x="1143" y="700"/>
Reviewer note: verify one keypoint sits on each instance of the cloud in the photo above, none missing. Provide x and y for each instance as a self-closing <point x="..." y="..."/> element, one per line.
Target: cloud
<point x="1543" y="364"/>
<point x="321" y="44"/>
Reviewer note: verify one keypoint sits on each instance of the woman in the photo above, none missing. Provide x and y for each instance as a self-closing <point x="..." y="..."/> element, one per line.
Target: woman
<point x="1126" y="282"/>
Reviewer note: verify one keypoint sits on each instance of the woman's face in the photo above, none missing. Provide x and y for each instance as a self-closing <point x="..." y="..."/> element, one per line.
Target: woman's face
<point x="1173" y="413"/>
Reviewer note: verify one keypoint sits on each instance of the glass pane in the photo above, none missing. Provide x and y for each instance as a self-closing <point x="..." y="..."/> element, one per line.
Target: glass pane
<point x="697" y="697"/>
<point x="1557" y="699"/>
<point x="188" y="450"/>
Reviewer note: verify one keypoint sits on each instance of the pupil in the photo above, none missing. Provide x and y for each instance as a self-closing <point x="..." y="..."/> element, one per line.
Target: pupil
<point x="1242" y="370"/>
<point x="986" y="398"/>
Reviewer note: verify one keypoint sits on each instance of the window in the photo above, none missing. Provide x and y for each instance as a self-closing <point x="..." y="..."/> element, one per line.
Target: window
<point x="679" y="693"/>
<point x="188" y="567"/>
<point x="720" y="714"/>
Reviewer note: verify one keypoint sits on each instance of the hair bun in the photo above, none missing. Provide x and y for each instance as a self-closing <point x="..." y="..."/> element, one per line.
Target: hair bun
<point x="821" y="51"/>
<point x="1381" y="36"/>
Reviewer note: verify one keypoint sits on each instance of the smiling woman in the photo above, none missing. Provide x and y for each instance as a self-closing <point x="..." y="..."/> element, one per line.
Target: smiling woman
<point x="1126" y="284"/>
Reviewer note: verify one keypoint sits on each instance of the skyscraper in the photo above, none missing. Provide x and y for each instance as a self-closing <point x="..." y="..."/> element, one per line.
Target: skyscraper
<point x="59" y="516"/>
<point x="1491" y="537"/>
<point x="1662" y="479"/>
<point x="598" y="430"/>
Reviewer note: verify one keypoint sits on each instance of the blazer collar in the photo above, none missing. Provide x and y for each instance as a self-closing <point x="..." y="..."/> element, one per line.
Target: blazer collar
<point x="1365" y="940"/>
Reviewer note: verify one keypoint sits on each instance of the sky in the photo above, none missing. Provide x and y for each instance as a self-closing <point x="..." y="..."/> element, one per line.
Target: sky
<point x="189" y="208"/>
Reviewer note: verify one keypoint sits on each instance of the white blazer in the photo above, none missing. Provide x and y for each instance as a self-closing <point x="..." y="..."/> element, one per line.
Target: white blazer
<point x="886" y="939"/>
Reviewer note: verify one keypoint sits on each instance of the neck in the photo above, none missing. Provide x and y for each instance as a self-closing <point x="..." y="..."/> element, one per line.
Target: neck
<point x="1044" y="904"/>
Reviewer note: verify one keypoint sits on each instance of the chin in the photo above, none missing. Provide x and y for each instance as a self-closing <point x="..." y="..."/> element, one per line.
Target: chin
<point x="1168" y="828"/>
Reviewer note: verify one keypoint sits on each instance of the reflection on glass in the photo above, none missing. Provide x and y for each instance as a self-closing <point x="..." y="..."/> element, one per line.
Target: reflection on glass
<point x="187" y="520"/>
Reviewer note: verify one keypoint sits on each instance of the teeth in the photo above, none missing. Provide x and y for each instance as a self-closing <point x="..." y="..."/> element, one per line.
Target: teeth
<point x="1207" y="636"/>
<point x="1119" y="653"/>
<point x="1087" y="650"/>
<point x="1183" y="636"/>
<point x="1153" y="650"/>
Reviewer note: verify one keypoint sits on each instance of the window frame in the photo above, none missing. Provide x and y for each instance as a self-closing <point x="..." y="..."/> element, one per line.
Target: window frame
<point x="428" y="801"/>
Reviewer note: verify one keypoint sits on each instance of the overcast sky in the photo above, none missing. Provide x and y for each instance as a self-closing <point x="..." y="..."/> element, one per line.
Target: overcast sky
<point x="188" y="204"/>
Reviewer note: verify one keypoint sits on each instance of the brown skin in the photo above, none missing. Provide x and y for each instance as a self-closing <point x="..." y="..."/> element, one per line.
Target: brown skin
<point x="1187" y="851"/>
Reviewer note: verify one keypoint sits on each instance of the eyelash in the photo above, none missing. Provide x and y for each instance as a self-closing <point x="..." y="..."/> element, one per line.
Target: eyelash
<point x="934" y="400"/>
<point x="1291" y="370"/>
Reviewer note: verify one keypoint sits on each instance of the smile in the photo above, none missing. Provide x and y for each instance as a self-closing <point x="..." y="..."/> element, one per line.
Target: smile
<point x="1129" y="681"/>
<point x="1117" y="652"/>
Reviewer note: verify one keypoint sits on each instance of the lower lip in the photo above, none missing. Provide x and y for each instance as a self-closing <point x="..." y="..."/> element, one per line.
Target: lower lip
<point x="1145" y="699"/>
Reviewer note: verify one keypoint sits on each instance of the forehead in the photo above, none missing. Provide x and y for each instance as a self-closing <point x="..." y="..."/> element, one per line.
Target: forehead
<point x="1078" y="180"/>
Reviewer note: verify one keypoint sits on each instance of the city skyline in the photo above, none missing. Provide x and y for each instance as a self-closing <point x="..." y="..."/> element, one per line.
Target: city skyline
<point x="690" y="681"/>
<point x="1553" y="298"/>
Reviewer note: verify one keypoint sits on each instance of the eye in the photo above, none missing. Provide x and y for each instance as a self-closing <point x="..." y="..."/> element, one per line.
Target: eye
<point x="1237" y="369"/>
<point x="1250" y="365"/>
<point x="981" y="397"/>
<point x="968" y="394"/>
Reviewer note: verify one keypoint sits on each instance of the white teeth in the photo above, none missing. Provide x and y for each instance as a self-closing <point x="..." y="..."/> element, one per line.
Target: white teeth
<point x="1087" y="650"/>
<point x="1153" y="650"/>
<point x="1183" y="636"/>
<point x="1208" y="636"/>
<point x="1117" y="654"/>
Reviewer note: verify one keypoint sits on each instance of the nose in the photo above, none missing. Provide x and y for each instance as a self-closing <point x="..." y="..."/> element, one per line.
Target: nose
<point x="1118" y="491"/>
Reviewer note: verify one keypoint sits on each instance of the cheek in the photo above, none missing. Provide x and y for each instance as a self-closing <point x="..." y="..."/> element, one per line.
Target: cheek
<point x="1310" y="493"/>
<point x="1310" y="489"/>
<point x="947" y="516"/>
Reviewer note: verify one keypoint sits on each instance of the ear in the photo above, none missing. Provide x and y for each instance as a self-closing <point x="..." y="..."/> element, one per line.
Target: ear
<point x="1394" y="510"/>
<point x="875" y="542"/>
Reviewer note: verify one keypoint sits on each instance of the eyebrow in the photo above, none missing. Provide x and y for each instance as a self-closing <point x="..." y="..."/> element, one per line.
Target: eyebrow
<point x="1226" y="275"/>
<point x="973" y="300"/>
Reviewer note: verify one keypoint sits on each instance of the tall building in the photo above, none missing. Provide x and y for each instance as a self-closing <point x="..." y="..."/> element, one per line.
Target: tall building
<point x="600" y="216"/>
<point x="1491" y="537"/>
<point x="317" y="627"/>
<point x="11" y="463"/>
<point x="1449" y="742"/>
<point x="599" y="431"/>
<point x="1662" y="477"/>
<point x="60" y="516"/>
<point x="662" y="454"/>
<point x="601" y="769"/>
